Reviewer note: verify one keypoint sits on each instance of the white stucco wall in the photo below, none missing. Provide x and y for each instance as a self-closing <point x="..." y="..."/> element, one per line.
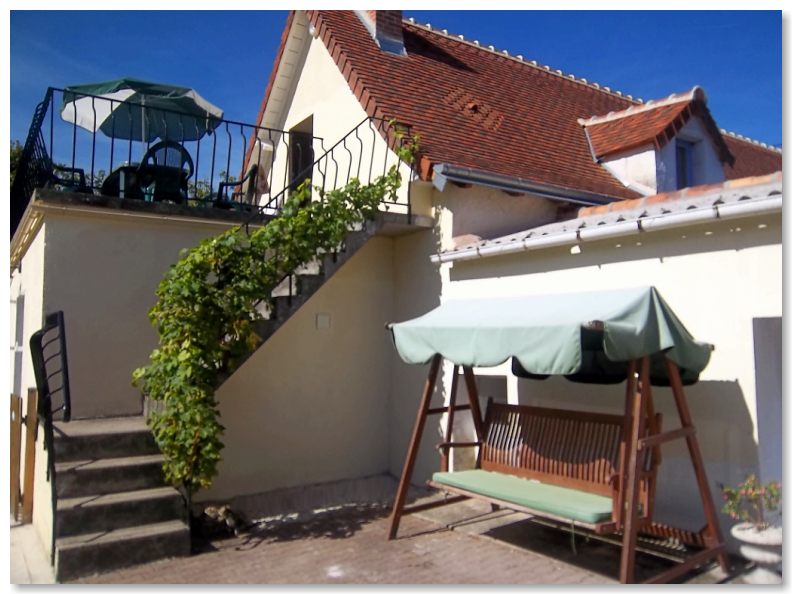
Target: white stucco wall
<point x="636" y="169"/>
<point x="311" y="405"/>
<point x="718" y="279"/>
<point x="487" y="212"/>
<point x="102" y="270"/>
<point x="649" y="171"/>
<point x="707" y="168"/>
<point x="319" y="90"/>
<point x="417" y="289"/>
<point x="28" y="280"/>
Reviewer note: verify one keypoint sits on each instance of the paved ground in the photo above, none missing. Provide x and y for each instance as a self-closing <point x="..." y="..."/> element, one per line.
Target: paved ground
<point x="29" y="560"/>
<point x="464" y="543"/>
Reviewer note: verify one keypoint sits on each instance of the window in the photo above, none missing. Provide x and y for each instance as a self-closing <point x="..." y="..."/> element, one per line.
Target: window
<point x="684" y="164"/>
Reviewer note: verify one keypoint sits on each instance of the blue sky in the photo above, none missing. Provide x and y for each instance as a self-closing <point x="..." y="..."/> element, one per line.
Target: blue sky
<point x="227" y="55"/>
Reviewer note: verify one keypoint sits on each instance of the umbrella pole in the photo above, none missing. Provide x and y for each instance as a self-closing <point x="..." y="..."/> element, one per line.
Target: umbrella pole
<point x="143" y="118"/>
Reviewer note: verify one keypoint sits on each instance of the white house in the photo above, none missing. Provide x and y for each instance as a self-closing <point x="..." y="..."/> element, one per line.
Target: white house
<point x="529" y="181"/>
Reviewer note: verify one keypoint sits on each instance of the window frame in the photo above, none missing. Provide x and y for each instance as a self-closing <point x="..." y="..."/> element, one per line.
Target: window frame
<point x="684" y="172"/>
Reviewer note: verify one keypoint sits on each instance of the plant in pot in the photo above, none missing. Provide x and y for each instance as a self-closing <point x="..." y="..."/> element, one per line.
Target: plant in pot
<point x="758" y="509"/>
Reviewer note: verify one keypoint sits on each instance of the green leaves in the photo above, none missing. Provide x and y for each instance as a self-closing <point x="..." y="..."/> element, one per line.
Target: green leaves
<point x="206" y="311"/>
<point x="748" y="501"/>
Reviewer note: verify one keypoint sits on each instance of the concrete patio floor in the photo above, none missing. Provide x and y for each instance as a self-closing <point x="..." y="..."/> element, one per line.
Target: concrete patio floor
<point x="464" y="543"/>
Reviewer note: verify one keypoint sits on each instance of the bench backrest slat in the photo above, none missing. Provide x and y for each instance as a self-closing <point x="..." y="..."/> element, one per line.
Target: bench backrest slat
<point x="573" y="449"/>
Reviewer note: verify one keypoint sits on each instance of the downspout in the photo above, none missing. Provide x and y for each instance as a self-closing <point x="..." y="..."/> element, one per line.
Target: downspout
<point x="582" y="235"/>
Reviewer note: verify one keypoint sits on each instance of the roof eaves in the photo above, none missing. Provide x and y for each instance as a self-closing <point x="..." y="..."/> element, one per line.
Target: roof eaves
<point x="445" y="172"/>
<point x="271" y="82"/>
<point x="734" y="199"/>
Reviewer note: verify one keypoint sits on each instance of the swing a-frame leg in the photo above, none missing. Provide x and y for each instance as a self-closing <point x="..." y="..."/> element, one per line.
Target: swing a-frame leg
<point x="424" y="410"/>
<point x="637" y="448"/>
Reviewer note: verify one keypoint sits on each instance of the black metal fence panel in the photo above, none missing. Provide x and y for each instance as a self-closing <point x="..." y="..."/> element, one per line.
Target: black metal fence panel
<point x="128" y="150"/>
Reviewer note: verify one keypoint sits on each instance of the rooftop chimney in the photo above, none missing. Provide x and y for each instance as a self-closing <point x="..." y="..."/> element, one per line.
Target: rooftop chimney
<point x="385" y="26"/>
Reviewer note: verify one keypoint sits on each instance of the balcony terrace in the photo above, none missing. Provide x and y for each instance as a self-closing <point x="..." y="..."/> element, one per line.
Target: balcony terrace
<point x="183" y="165"/>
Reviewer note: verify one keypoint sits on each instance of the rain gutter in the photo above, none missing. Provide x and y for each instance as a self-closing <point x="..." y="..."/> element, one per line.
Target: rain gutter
<point x="684" y="218"/>
<point x="443" y="173"/>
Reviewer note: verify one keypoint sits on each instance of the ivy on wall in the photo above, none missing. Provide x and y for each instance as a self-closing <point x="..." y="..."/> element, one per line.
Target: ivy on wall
<point x="207" y="307"/>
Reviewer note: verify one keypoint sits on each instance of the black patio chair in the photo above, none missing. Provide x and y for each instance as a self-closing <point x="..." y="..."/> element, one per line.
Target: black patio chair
<point x="240" y="200"/>
<point x="165" y="168"/>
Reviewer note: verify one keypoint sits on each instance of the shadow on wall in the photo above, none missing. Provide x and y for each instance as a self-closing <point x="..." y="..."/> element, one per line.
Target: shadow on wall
<point x="724" y="428"/>
<point x="418" y="286"/>
<point x="646" y="246"/>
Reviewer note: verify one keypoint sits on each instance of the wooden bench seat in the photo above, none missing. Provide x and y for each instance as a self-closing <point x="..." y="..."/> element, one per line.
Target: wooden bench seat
<point x="530" y="495"/>
<point x="559" y="463"/>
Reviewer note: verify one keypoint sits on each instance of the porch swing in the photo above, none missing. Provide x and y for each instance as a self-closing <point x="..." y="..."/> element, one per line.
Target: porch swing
<point x="591" y="470"/>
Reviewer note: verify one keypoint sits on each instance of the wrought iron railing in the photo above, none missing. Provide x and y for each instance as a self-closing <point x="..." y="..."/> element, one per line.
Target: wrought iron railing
<point x="51" y="370"/>
<point x="365" y="153"/>
<point x="232" y="166"/>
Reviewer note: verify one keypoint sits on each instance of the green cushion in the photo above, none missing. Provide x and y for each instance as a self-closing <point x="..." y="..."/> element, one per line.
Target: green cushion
<point x="559" y="501"/>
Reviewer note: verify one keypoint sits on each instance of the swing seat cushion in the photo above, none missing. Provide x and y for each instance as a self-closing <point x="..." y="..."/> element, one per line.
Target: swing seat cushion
<point x="560" y="501"/>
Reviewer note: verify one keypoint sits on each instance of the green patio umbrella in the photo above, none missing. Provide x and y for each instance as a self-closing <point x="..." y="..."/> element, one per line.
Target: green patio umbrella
<point x="140" y="110"/>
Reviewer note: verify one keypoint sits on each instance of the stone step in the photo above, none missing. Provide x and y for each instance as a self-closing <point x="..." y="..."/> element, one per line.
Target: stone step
<point x="99" y="513"/>
<point x="300" y="285"/>
<point x="308" y="284"/>
<point x="108" y="475"/>
<point x="92" y="439"/>
<point x="309" y="278"/>
<point x="285" y="307"/>
<point x="332" y="261"/>
<point x="86" y="554"/>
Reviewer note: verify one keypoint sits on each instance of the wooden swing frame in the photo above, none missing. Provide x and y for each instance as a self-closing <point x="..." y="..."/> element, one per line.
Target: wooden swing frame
<point x="641" y="435"/>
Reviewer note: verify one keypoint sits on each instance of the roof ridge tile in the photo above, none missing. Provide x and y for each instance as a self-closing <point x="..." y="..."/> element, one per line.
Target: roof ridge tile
<point x="750" y="140"/>
<point x="695" y="93"/>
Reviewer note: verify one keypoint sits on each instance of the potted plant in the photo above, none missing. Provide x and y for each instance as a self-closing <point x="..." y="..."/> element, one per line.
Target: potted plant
<point x="758" y="509"/>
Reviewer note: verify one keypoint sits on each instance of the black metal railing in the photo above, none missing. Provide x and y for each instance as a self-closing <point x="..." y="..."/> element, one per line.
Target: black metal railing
<point x="225" y="164"/>
<point x="51" y="370"/>
<point x="365" y="153"/>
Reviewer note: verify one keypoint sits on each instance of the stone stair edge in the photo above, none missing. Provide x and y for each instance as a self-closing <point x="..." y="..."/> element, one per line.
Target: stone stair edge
<point x="108" y="463"/>
<point x="121" y="534"/>
<point x="108" y="499"/>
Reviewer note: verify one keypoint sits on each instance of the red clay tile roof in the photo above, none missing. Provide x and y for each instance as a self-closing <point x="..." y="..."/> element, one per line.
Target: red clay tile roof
<point x="750" y="158"/>
<point x="653" y="123"/>
<point x="475" y="108"/>
<point x="617" y="136"/>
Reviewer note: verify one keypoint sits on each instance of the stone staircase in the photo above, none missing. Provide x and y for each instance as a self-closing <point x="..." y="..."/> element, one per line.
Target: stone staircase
<point x="113" y="506"/>
<point x="298" y="288"/>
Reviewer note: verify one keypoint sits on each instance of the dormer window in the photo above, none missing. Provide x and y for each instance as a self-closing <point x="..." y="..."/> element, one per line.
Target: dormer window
<point x="660" y="146"/>
<point x="684" y="164"/>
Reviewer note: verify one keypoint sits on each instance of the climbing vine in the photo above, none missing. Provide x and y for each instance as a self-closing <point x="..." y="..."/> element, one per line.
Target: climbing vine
<point x="207" y="309"/>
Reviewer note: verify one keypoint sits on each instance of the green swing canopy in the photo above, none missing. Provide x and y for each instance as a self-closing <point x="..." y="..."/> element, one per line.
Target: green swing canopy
<point x="588" y="336"/>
